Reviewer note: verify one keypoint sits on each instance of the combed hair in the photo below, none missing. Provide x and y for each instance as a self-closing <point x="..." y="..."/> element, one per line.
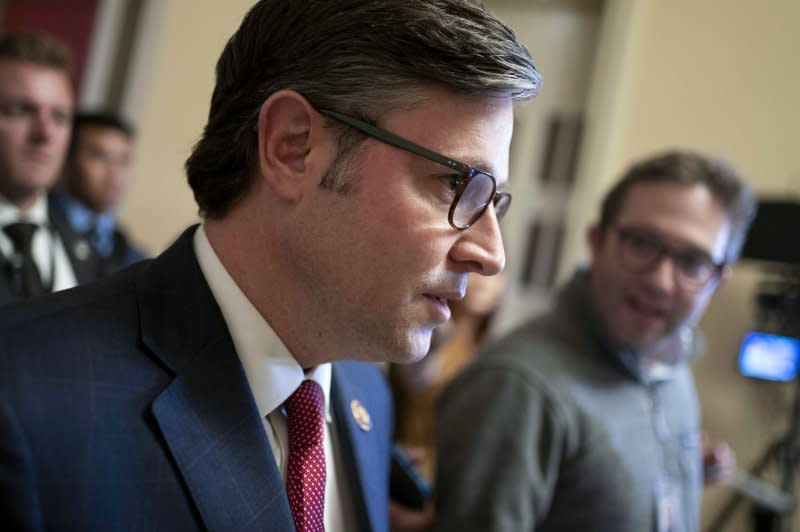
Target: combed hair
<point x="689" y="168"/>
<point x="97" y="118"/>
<point x="37" y="48"/>
<point x="361" y="57"/>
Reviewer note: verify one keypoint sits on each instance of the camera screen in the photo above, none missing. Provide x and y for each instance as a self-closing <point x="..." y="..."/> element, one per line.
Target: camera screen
<point x="769" y="356"/>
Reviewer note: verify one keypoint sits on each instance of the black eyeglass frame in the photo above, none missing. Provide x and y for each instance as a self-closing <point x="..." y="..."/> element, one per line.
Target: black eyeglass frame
<point x="466" y="170"/>
<point x="662" y="251"/>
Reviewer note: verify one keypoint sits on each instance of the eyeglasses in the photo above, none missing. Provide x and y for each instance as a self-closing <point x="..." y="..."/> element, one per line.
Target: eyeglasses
<point x="641" y="252"/>
<point x="475" y="189"/>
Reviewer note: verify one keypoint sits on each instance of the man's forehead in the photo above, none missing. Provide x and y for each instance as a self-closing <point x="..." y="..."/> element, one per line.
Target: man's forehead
<point x="498" y="170"/>
<point x="101" y="132"/>
<point x="687" y="214"/>
<point x="471" y="129"/>
<point x="16" y="76"/>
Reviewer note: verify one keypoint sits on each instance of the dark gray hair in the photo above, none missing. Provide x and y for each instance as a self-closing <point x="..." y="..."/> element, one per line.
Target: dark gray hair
<point x="361" y="57"/>
<point x="719" y="177"/>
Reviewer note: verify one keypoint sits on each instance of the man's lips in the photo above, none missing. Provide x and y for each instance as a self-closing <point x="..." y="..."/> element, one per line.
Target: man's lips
<point x="441" y="301"/>
<point x="455" y="295"/>
<point x="646" y="310"/>
<point x="39" y="157"/>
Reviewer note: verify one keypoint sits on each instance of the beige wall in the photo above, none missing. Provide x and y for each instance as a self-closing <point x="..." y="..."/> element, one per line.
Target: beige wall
<point x="562" y="37"/>
<point x="169" y="99"/>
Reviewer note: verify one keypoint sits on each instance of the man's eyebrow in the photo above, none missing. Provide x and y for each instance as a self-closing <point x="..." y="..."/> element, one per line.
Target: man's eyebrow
<point x="682" y="246"/>
<point x="481" y="164"/>
<point x="485" y="166"/>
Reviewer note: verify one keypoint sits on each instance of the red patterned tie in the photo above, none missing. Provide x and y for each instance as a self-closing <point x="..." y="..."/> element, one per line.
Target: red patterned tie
<point x="305" y="477"/>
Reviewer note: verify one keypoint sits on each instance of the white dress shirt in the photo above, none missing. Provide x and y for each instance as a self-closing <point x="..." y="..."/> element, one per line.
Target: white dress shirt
<point x="47" y="248"/>
<point x="273" y="375"/>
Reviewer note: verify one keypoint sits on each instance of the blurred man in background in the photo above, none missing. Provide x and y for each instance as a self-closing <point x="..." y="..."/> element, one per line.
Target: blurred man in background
<point x="96" y="175"/>
<point x="36" y="106"/>
<point x="587" y="418"/>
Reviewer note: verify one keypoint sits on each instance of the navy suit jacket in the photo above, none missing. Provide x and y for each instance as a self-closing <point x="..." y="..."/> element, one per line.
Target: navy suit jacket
<point x="90" y="265"/>
<point x="123" y="406"/>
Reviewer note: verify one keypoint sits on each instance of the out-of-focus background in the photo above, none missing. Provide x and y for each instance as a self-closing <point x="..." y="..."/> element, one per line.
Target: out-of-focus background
<point x="622" y="79"/>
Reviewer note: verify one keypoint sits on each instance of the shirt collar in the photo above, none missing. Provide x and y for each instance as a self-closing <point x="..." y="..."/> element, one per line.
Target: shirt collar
<point x="82" y="218"/>
<point x="271" y="370"/>
<point x="10" y="213"/>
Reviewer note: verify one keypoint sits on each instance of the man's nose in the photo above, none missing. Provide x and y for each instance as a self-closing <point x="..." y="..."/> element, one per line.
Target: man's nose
<point x="43" y="127"/>
<point x="663" y="275"/>
<point x="480" y="247"/>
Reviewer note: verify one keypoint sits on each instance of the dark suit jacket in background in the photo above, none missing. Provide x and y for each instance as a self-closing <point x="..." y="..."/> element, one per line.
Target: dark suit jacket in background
<point x="123" y="406"/>
<point x="87" y="264"/>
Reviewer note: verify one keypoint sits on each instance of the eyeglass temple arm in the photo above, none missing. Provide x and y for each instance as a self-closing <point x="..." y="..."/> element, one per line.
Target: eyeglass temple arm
<point x="391" y="138"/>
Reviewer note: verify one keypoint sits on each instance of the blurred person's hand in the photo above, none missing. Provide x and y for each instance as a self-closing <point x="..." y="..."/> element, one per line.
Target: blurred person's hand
<point x="405" y="519"/>
<point x="719" y="462"/>
<point x="418" y="454"/>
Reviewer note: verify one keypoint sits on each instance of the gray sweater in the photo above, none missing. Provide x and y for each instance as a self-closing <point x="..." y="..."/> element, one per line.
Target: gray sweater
<point x="551" y="430"/>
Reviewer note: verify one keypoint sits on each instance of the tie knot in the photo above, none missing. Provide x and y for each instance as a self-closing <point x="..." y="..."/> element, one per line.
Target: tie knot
<point x="305" y="410"/>
<point x="21" y="234"/>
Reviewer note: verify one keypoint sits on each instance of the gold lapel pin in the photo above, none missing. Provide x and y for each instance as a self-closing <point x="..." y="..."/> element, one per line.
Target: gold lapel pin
<point x="361" y="415"/>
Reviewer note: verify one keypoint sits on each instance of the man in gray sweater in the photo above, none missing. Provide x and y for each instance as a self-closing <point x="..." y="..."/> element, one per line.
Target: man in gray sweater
<point x="586" y="418"/>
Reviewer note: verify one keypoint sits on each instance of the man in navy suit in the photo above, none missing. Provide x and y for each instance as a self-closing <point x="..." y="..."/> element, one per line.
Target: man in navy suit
<point x="349" y="181"/>
<point x="36" y="106"/>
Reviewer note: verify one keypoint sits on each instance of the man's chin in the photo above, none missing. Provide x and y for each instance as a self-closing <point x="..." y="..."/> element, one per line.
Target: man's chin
<point x="419" y="345"/>
<point x="658" y="344"/>
<point x="642" y="343"/>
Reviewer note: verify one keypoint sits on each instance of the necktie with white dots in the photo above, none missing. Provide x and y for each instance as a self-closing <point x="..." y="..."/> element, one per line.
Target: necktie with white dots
<point x="305" y="476"/>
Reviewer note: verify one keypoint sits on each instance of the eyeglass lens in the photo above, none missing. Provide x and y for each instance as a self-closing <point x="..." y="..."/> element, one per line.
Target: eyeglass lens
<point x="502" y="202"/>
<point x="641" y="253"/>
<point x="473" y="200"/>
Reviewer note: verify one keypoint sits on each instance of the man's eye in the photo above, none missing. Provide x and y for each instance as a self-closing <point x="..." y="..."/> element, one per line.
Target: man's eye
<point x="692" y="264"/>
<point x="446" y="187"/>
<point x="641" y="243"/>
<point x="13" y="109"/>
<point x="454" y="181"/>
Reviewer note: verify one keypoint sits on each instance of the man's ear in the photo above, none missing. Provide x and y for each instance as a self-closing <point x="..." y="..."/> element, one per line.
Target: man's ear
<point x="594" y="238"/>
<point x="290" y="155"/>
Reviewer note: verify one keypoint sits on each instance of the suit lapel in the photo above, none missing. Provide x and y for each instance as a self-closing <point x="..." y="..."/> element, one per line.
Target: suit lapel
<point x="363" y="450"/>
<point x="85" y="261"/>
<point x="207" y="414"/>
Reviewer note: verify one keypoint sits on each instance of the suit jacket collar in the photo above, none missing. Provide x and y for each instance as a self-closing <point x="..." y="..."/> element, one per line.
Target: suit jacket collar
<point x="207" y="414"/>
<point x="209" y="419"/>
<point x="86" y="262"/>
<point x="362" y="450"/>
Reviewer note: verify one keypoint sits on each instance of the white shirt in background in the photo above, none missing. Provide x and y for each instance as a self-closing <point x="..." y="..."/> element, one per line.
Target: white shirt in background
<point x="47" y="248"/>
